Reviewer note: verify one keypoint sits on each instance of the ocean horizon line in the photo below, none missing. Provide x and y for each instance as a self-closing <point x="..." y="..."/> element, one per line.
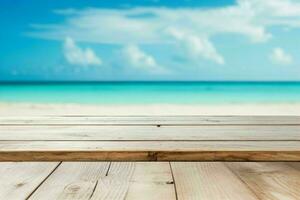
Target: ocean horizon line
<point x="146" y="82"/>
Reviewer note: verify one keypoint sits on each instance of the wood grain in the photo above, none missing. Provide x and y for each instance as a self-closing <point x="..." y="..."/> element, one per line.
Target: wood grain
<point x="72" y="180"/>
<point x="150" y="146"/>
<point x="272" y="181"/>
<point x="150" y="120"/>
<point x="164" y="133"/>
<point x="149" y="151"/>
<point x="150" y="180"/>
<point x="19" y="179"/>
<point x="150" y="138"/>
<point x="295" y="165"/>
<point x="116" y="182"/>
<point x="135" y="181"/>
<point x="208" y="181"/>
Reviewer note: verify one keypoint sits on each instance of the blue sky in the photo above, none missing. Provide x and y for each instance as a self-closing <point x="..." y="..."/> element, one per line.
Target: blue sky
<point x="150" y="40"/>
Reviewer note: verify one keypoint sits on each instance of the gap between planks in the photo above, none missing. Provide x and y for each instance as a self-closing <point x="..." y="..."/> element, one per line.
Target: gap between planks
<point x="176" y="180"/>
<point x="43" y="180"/>
<point x="125" y="180"/>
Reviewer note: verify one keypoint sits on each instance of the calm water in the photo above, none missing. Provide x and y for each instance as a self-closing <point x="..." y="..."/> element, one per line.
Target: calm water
<point x="152" y="92"/>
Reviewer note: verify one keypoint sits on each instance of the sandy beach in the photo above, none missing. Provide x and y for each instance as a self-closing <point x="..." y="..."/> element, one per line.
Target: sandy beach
<point x="24" y="109"/>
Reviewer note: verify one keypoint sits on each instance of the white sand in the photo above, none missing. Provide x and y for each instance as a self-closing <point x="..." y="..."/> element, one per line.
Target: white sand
<point x="24" y="109"/>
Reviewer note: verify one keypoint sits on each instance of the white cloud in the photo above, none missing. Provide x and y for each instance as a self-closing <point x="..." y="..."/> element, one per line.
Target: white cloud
<point x="78" y="56"/>
<point x="135" y="57"/>
<point x="248" y="18"/>
<point x="279" y="8"/>
<point x="279" y="56"/>
<point x="147" y="25"/>
<point x="195" y="47"/>
<point x="126" y="26"/>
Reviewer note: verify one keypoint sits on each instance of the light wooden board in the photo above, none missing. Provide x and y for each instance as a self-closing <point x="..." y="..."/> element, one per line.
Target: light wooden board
<point x="295" y="165"/>
<point x="167" y="133"/>
<point x="72" y="180"/>
<point x="155" y="138"/>
<point x="150" y="180"/>
<point x="176" y="146"/>
<point x="135" y="181"/>
<point x="116" y="183"/>
<point x="208" y="181"/>
<point x="272" y="181"/>
<point x="150" y="150"/>
<point x="19" y="179"/>
<point x="151" y="120"/>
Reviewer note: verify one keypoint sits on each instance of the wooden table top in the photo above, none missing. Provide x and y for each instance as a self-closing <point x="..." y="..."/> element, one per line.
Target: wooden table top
<point x="61" y="139"/>
<point x="150" y="138"/>
<point x="150" y="180"/>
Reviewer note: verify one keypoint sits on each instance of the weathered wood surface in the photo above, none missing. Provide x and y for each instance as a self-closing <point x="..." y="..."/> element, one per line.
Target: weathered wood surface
<point x="150" y="180"/>
<point x="151" y="120"/>
<point x="135" y="181"/>
<point x="103" y="181"/>
<point x="154" y="138"/>
<point x="269" y="180"/>
<point x="150" y="150"/>
<point x="295" y="165"/>
<point x="18" y="180"/>
<point x="142" y="133"/>
<point x="208" y="181"/>
<point x="72" y="181"/>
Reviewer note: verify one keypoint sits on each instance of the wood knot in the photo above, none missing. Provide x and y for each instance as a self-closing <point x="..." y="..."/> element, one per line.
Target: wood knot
<point x="73" y="188"/>
<point x="19" y="185"/>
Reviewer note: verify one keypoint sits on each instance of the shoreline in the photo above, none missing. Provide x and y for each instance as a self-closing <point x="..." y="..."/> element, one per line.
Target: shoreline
<point x="24" y="109"/>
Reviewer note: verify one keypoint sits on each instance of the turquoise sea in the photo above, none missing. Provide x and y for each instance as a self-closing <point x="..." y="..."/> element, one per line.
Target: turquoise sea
<point x="151" y="92"/>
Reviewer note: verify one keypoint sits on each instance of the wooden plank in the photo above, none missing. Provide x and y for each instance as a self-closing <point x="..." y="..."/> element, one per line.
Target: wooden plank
<point x="72" y="180"/>
<point x="116" y="183"/>
<point x="274" y="181"/>
<point x="208" y="181"/>
<point x="150" y="150"/>
<point x="151" y="120"/>
<point x="150" y="145"/>
<point x="19" y="180"/>
<point x="135" y="181"/>
<point x="164" y="133"/>
<point x="295" y="165"/>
